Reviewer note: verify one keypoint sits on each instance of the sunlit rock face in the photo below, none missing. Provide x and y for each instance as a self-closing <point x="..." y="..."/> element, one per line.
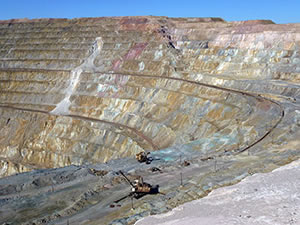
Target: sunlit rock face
<point x="89" y="90"/>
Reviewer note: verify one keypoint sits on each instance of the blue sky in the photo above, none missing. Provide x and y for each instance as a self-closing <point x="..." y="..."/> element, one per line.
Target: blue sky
<point x="280" y="11"/>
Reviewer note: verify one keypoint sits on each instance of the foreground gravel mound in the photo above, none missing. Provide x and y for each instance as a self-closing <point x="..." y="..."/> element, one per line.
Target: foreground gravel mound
<point x="266" y="199"/>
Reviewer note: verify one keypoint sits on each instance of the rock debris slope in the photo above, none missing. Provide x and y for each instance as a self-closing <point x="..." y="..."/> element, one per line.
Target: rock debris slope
<point x="224" y="95"/>
<point x="272" y="198"/>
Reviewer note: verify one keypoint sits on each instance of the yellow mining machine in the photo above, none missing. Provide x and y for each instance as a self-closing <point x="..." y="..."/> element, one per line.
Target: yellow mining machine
<point x="139" y="188"/>
<point x="143" y="157"/>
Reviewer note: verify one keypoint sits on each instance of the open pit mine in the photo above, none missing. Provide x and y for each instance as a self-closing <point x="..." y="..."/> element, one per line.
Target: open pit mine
<point x="207" y="103"/>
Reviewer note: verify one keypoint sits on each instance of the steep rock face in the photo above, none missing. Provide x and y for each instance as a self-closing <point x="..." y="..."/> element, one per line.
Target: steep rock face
<point x="89" y="90"/>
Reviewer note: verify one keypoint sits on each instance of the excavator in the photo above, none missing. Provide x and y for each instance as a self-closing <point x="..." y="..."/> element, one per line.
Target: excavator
<point x="139" y="188"/>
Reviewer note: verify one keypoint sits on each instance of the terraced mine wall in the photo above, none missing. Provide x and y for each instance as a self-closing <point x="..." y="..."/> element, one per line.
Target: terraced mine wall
<point x="87" y="91"/>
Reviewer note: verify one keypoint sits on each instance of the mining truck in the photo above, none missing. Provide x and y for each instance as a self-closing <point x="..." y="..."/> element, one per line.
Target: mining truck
<point x="143" y="157"/>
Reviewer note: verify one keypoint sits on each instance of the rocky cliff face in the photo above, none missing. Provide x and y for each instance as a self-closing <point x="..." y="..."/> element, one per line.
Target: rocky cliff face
<point x="89" y="90"/>
<point x="222" y="95"/>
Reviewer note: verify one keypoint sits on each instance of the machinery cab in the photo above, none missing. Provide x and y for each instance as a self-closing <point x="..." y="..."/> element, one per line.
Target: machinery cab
<point x="143" y="157"/>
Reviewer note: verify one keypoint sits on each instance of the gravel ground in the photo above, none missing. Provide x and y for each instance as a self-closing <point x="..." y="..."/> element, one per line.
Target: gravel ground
<point x="270" y="198"/>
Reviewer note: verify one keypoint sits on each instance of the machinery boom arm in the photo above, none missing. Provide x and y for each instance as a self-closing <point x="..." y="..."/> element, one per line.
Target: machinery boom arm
<point x="126" y="178"/>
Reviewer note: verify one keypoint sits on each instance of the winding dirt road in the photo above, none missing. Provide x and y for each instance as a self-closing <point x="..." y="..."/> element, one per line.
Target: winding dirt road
<point x="258" y="97"/>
